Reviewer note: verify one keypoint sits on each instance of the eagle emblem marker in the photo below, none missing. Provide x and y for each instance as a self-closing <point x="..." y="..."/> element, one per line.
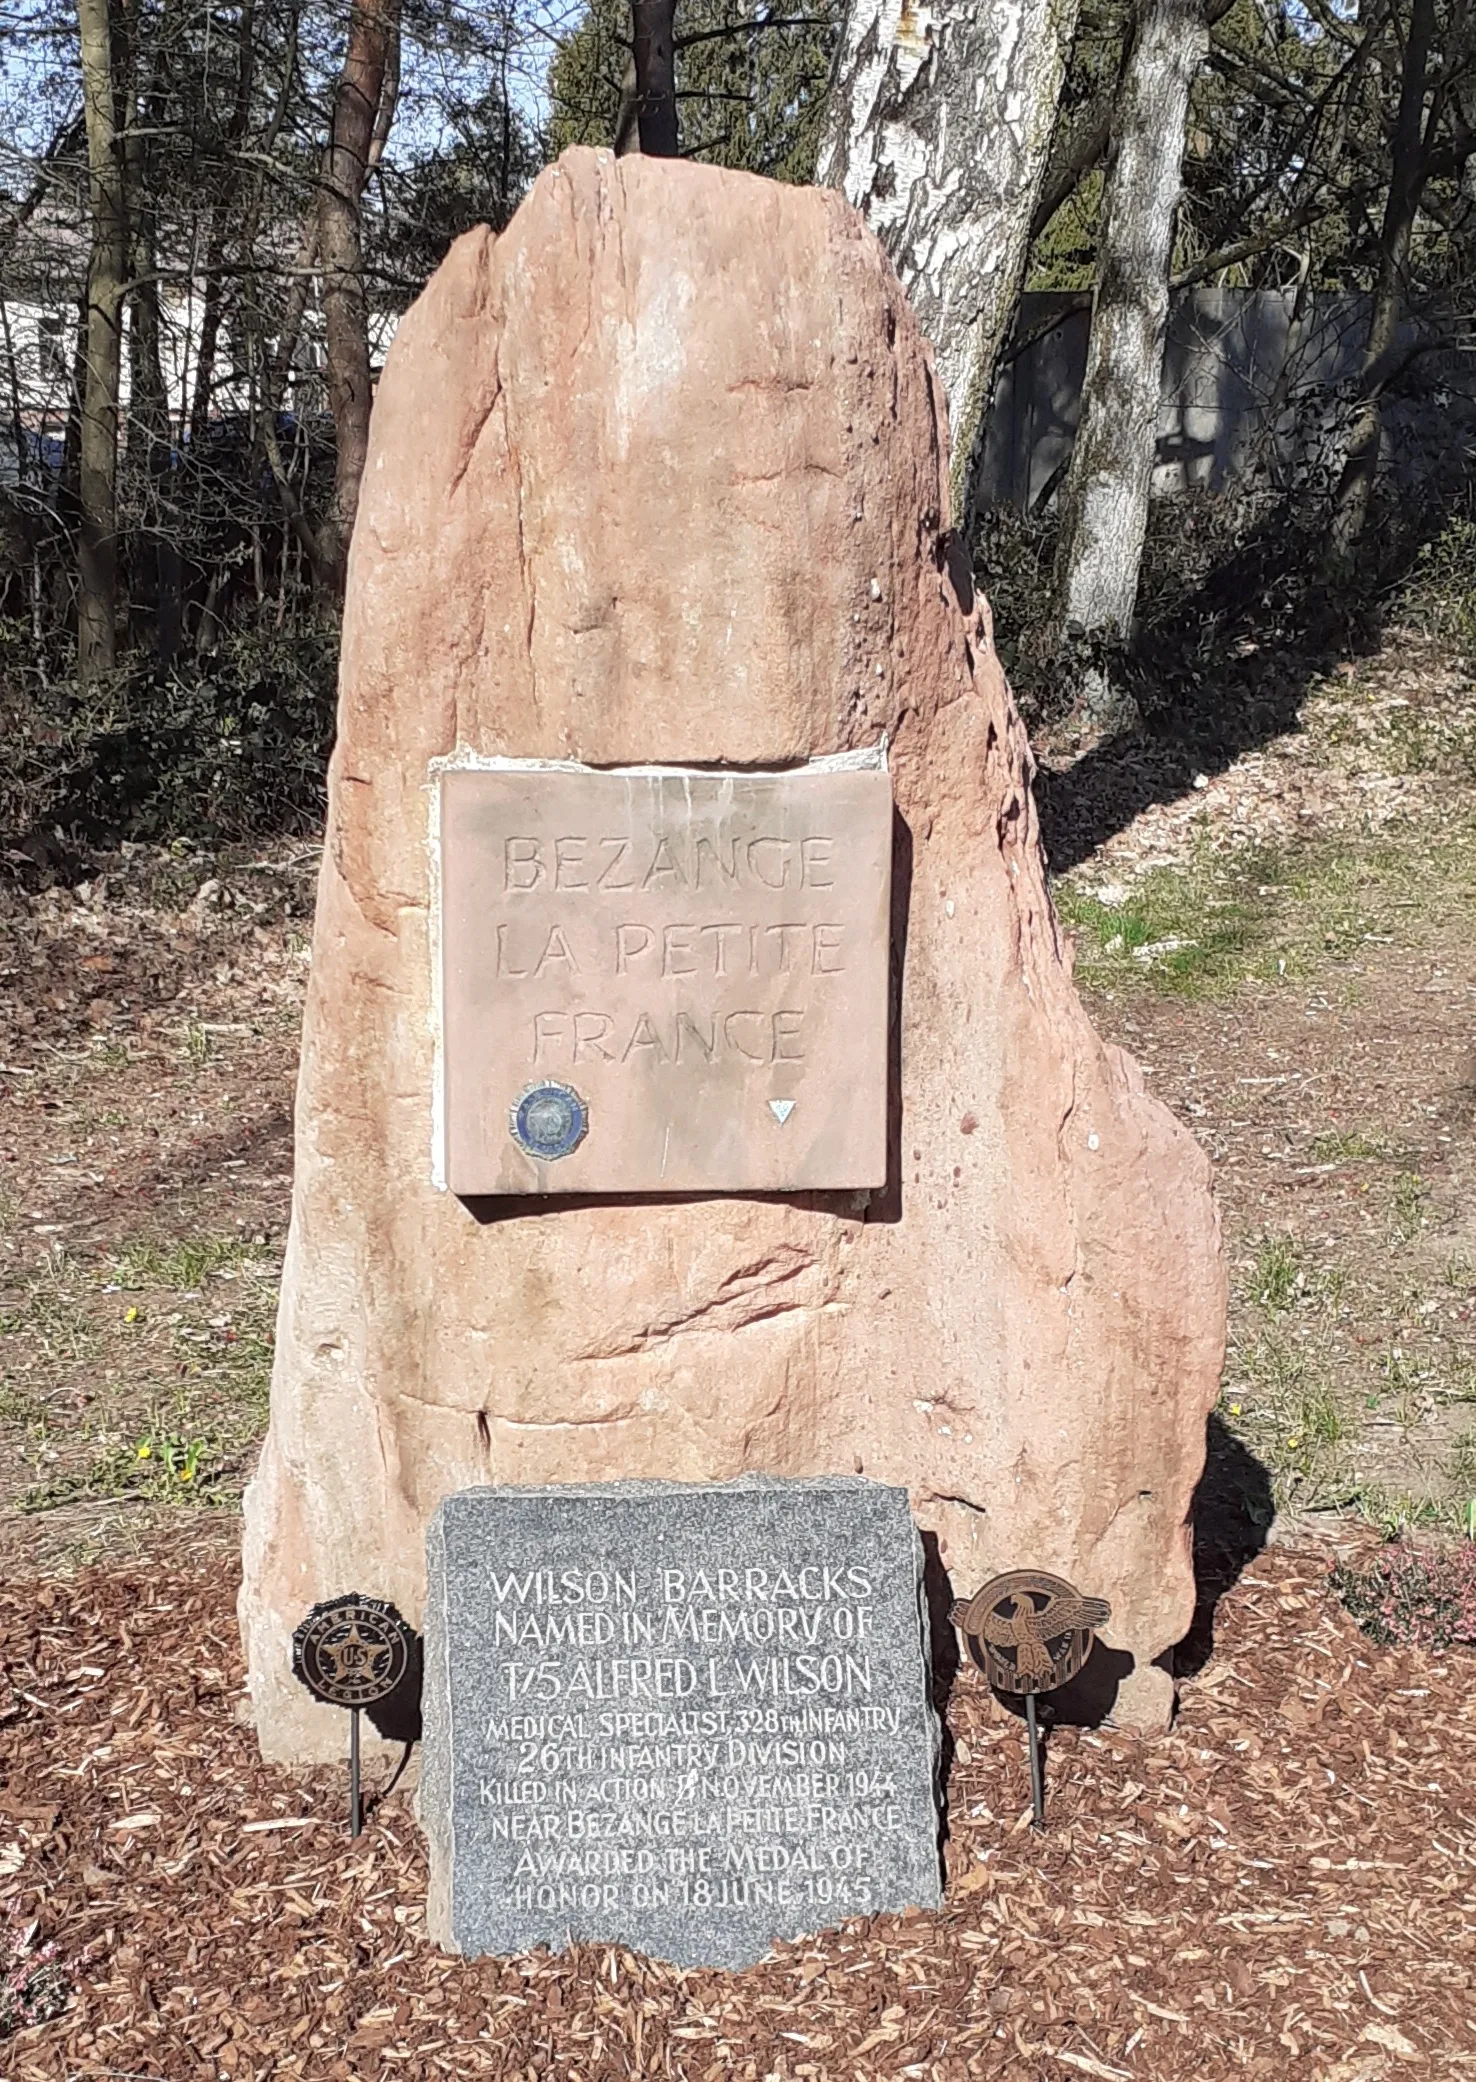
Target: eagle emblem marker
<point x="352" y="1651"/>
<point x="1035" y="1631"/>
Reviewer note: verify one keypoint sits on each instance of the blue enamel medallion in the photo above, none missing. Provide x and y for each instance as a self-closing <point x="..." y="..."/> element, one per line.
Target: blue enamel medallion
<point x="548" y="1121"/>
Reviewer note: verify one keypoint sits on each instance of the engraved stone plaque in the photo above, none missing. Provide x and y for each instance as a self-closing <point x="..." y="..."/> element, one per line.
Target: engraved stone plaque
<point x="686" y="1717"/>
<point x="664" y="981"/>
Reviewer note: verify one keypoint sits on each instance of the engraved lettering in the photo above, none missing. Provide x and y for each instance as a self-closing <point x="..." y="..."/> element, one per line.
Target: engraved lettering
<point x="786" y="1037"/>
<point x="761" y="1055"/>
<point x="550" y="1027"/>
<point x="631" y="941"/>
<point x="727" y="869"/>
<point x="557" y="948"/>
<point x="763" y="864"/>
<point x="815" y="863"/>
<point x="569" y="863"/>
<point x="644" y="1035"/>
<point x="617" y="861"/>
<point x="663" y="864"/>
<point x="720" y="944"/>
<point x="522" y="864"/>
<point x="685" y="1023"/>
<point x="590" y="1030"/>
<point x="787" y="937"/>
<point x="687" y="951"/>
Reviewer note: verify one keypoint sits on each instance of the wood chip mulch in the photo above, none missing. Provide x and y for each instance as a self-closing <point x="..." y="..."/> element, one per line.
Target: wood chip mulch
<point x="1285" y="1886"/>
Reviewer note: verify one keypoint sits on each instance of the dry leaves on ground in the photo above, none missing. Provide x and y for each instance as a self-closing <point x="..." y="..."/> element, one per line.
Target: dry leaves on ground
<point x="1282" y="1887"/>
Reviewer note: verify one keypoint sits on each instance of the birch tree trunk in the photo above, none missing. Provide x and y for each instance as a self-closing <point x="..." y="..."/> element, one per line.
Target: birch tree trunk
<point x="940" y="123"/>
<point x="370" y="71"/>
<point x="107" y="266"/>
<point x="156" y="566"/>
<point x="1105" y="505"/>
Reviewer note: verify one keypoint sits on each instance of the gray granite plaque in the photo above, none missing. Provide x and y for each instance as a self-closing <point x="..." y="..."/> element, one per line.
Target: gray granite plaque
<point x="688" y="1717"/>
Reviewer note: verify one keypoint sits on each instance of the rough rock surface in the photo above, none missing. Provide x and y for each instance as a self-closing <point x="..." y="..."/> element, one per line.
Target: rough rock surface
<point x="660" y="475"/>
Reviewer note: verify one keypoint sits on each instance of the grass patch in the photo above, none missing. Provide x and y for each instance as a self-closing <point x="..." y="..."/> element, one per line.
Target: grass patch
<point x="187" y="1264"/>
<point x="236" y="1366"/>
<point x="1461" y="1466"/>
<point x="1294" y="1419"/>
<point x="50" y="1315"/>
<point x="1411" y="1196"/>
<point x="1300" y="1399"/>
<point x="1279" y="1275"/>
<point x="1459" y="1385"/>
<point x="175" y="1459"/>
<point x="159" y="1468"/>
<point x="1188" y="933"/>
<point x="1347" y="1149"/>
<point x="1287" y="1393"/>
<point x="1408" y="1386"/>
<point x="17" y="1405"/>
<point x="1289" y="1411"/>
<point x="175" y="1390"/>
<point x="1428" y="740"/>
<point x="1261" y="914"/>
<point x="1396" y="1514"/>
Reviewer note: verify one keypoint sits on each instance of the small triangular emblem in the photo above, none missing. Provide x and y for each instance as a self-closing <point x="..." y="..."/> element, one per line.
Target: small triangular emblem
<point x="781" y="1109"/>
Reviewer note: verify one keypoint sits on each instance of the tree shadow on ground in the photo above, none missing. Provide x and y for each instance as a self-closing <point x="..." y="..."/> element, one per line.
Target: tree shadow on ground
<point x="1231" y="1515"/>
<point x="1236" y="626"/>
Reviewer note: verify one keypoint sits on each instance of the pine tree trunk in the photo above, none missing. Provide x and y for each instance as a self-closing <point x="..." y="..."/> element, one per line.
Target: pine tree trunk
<point x="373" y="43"/>
<point x="97" y="535"/>
<point x="1105" y="505"/>
<point x="1402" y="206"/>
<point x="653" y="26"/>
<point x="939" y="128"/>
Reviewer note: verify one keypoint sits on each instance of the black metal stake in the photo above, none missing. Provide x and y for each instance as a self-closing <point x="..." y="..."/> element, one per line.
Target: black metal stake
<point x="1037" y="1764"/>
<point x="356" y="1817"/>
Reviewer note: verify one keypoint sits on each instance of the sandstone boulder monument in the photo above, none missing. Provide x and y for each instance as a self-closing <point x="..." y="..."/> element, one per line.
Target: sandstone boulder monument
<point x="655" y="504"/>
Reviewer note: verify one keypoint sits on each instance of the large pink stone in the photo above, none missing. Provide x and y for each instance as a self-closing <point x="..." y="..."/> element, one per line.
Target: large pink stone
<point x="660" y="476"/>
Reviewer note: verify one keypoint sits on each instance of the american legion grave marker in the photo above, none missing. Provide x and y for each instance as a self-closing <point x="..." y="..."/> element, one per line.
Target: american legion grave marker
<point x="686" y="1717"/>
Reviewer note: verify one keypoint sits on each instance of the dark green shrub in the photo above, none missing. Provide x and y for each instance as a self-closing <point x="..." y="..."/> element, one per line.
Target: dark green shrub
<point x="232" y="745"/>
